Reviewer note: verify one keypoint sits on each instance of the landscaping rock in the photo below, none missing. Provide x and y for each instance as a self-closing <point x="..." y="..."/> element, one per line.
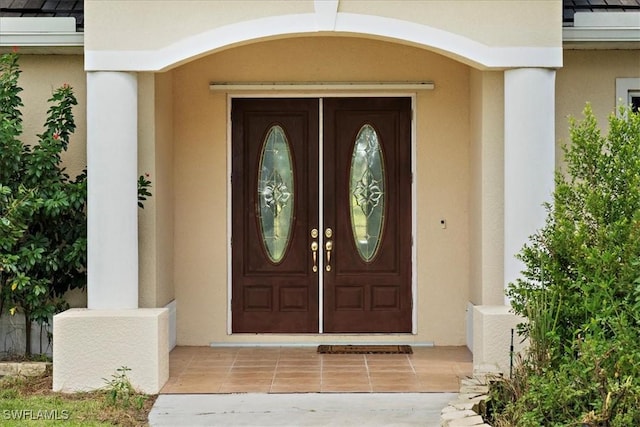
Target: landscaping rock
<point x="25" y="369"/>
<point x="460" y="412"/>
<point x="468" y="421"/>
<point x="8" y="369"/>
<point x="33" y="369"/>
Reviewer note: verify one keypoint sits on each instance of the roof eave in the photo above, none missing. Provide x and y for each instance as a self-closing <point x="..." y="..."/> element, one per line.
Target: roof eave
<point x="603" y="29"/>
<point x="601" y="34"/>
<point x="40" y="32"/>
<point x="41" y="39"/>
<point x="601" y="38"/>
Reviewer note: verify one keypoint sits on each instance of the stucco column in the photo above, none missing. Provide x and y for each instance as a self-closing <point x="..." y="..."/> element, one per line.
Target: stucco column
<point x="529" y="158"/>
<point x="112" y="332"/>
<point x="112" y="248"/>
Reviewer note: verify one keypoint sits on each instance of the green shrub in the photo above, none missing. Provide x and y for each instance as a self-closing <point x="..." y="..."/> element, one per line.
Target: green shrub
<point x="42" y="209"/>
<point x="580" y="290"/>
<point x="43" y="231"/>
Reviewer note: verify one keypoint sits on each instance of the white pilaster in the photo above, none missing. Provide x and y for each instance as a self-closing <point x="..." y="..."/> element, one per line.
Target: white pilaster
<point x="112" y="126"/>
<point x="529" y="158"/>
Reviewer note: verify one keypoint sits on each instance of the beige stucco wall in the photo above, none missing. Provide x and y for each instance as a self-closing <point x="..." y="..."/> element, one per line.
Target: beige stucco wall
<point x="491" y="22"/>
<point x="129" y="25"/>
<point x="486" y="165"/>
<point x="155" y="158"/>
<point x="590" y="76"/>
<point x="201" y="176"/>
<point x="147" y="274"/>
<point x="41" y="75"/>
<point x="164" y="189"/>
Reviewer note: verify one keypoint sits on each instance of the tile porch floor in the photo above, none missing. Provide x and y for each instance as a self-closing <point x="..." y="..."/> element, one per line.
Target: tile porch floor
<point x="303" y="370"/>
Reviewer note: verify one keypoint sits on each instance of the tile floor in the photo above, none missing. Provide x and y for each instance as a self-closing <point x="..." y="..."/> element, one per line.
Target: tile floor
<point x="303" y="370"/>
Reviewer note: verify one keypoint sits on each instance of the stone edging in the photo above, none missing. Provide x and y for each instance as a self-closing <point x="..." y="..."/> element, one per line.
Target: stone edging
<point x="25" y="369"/>
<point x="460" y="412"/>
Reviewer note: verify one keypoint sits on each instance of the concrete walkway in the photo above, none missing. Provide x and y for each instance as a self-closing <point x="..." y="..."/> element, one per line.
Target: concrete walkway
<point x="300" y="409"/>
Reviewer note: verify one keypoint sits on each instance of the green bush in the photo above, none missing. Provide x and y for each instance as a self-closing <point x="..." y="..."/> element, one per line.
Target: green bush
<point x="580" y="290"/>
<point x="42" y="209"/>
<point x="43" y="231"/>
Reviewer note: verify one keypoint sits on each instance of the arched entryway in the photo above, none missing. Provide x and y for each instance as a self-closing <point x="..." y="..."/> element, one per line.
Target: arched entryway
<point x="120" y="80"/>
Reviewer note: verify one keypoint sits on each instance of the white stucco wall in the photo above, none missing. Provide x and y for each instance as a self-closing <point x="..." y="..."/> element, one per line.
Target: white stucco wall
<point x="90" y="345"/>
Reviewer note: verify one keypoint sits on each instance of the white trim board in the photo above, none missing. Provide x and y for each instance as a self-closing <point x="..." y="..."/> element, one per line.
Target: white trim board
<point x="624" y="86"/>
<point x="607" y="19"/>
<point x="43" y="31"/>
<point x="329" y="86"/>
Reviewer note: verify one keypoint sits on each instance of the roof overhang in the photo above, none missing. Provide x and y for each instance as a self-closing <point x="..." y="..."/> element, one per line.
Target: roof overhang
<point x="603" y="30"/>
<point x="39" y="32"/>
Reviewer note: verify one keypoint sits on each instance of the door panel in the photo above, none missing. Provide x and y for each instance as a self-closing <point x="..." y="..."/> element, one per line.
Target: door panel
<point x="273" y="286"/>
<point x="372" y="295"/>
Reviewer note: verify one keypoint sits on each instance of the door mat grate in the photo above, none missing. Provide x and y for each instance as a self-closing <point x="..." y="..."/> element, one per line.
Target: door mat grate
<point x="365" y="349"/>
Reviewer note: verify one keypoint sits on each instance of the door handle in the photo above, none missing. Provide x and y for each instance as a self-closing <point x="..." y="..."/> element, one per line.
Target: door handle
<point x="314" y="252"/>
<point x="314" y="249"/>
<point x="328" y="246"/>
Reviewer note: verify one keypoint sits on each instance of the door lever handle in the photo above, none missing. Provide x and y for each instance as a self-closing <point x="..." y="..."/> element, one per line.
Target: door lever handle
<point x="314" y="249"/>
<point x="328" y="246"/>
<point x="314" y="252"/>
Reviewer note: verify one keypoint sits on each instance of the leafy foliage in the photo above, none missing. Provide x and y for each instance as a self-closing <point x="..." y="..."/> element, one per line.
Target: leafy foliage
<point x="43" y="243"/>
<point x="120" y="391"/>
<point x="42" y="209"/>
<point x="580" y="290"/>
<point x="143" y="189"/>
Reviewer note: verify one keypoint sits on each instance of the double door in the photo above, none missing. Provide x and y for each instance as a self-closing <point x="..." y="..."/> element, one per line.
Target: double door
<point x="321" y="215"/>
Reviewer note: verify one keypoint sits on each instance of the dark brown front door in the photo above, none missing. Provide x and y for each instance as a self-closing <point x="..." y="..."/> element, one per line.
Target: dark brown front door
<point x="361" y="252"/>
<point x="275" y="204"/>
<point x="367" y="205"/>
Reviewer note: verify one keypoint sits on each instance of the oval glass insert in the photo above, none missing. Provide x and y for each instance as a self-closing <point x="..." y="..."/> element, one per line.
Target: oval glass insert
<point x="366" y="192"/>
<point x="275" y="193"/>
